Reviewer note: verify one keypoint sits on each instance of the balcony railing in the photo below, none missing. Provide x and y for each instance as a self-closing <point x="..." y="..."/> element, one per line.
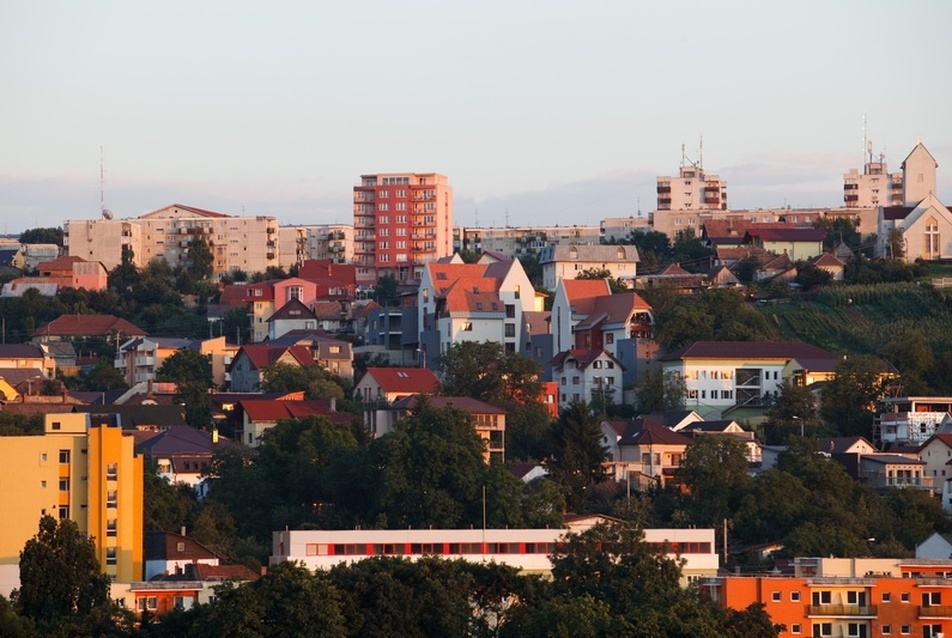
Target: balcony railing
<point x="841" y="610"/>
<point x="936" y="611"/>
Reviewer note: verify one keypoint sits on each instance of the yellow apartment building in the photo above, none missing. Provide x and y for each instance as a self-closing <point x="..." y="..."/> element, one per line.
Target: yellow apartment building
<point x="80" y="468"/>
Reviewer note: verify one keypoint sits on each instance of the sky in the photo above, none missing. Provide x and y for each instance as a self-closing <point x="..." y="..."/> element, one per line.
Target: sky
<point x="538" y="112"/>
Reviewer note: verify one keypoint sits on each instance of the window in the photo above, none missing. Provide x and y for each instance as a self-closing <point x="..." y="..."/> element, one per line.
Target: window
<point x="795" y="628"/>
<point x="575" y="380"/>
<point x="112" y="471"/>
<point x="64" y="484"/>
<point x="904" y="598"/>
<point x="887" y="597"/>
<point x="510" y="311"/>
<point x="822" y="598"/>
<point x="112" y="498"/>
<point x="932" y="631"/>
<point x="856" y="629"/>
<point x="468" y="326"/>
<point x="150" y="603"/>
<point x="111" y="555"/>
<point x="794" y="596"/>
<point x="183" y="602"/>
<point x="63" y="456"/>
<point x="510" y="330"/>
<point x="609" y="338"/>
<point x="931" y="599"/>
<point x="776" y="596"/>
<point x="111" y="527"/>
<point x="904" y="630"/>
<point x="887" y="630"/>
<point x="63" y="512"/>
<point x="822" y="629"/>
<point x="56" y="425"/>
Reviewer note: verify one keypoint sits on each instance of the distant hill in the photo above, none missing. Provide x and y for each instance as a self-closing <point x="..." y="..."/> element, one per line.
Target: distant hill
<point x="863" y="319"/>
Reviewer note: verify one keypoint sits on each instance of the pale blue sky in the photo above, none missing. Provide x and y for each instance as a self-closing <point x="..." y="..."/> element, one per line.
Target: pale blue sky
<point x="559" y="112"/>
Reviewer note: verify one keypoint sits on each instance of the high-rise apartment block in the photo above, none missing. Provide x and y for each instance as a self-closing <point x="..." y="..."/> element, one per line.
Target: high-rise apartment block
<point x="84" y="468"/>
<point x="875" y="186"/>
<point x="692" y="189"/>
<point x="333" y="242"/>
<point x="249" y="244"/>
<point x="401" y="222"/>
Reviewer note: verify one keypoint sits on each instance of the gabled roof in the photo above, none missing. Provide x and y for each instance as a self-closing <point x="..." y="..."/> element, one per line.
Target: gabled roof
<point x="788" y="234"/>
<point x="88" y="326"/>
<point x="328" y="311"/>
<point x="588" y="253"/>
<point x="64" y="263"/>
<point x="919" y="149"/>
<point x="405" y="380"/>
<point x="893" y="213"/>
<point x="20" y="351"/>
<point x="780" y="262"/>
<point x="473" y="294"/>
<point x="583" y="357"/>
<point x="198" y="212"/>
<point x="945" y="439"/>
<point x="841" y="444"/>
<point x="277" y="410"/>
<point x="827" y="259"/>
<point x="233" y="295"/>
<point x="579" y="289"/>
<point x="180" y="439"/>
<point x="293" y="310"/>
<point x="750" y="350"/>
<point x="165" y="546"/>
<point x="643" y="431"/>
<point x="262" y="356"/>
<point x="139" y="416"/>
<point x="466" y="404"/>
<point x="892" y="459"/>
<point x="613" y="309"/>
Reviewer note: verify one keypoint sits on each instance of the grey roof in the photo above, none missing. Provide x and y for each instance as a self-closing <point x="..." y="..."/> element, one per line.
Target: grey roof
<point x="572" y="252"/>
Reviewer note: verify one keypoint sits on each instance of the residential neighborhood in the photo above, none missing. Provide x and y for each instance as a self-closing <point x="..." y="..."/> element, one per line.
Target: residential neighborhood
<point x="762" y="395"/>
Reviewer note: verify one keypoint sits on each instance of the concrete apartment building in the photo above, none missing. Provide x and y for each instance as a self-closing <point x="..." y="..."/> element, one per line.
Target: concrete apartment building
<point x="333" y="242"/>
<point x="83" y="468"/>
<point x="568" y="262"/>
<point x="401" y="222"/>
<point x="249" y="244"/>
<point x="516" y="241"/>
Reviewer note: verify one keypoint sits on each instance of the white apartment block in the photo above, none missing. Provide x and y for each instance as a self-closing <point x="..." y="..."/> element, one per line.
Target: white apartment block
<point x="249" y="244"/>
<point x="875" y="186"/>
<point x="568" y="262"/>
<point x="692" y="189"/>
<point x="334" y="242"/>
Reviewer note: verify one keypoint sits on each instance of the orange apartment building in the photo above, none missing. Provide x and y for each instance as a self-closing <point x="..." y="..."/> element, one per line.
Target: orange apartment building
<point x="401" y="221"/>
<point x="849" y="598"/>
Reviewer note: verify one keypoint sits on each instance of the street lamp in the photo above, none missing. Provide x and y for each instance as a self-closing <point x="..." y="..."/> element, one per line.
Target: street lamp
<point x="796" y="418"/>
<point x="421" y="357"/>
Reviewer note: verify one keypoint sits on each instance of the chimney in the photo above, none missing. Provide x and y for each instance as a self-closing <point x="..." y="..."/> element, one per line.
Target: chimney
<point x="333" y="401"/>
<point x="183" y="530"/>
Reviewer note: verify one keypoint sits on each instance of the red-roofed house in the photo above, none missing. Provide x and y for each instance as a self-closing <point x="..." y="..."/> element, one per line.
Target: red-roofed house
<point x="474" y="302"/>
<point x="67" y="327"/>
<point x="76" y="272"/>
<point x="648" y="452"/>
<point x="591" y="374"/>
<point x="259" y="416"/>
<point x="246" y="368"/>
<point x="936" y="453"/>
<point x="380" y="387"/>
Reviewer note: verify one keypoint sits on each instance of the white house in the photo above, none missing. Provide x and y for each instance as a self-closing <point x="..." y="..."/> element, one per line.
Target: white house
<point x="569" y="261"/>
<point x="587" y="375"/>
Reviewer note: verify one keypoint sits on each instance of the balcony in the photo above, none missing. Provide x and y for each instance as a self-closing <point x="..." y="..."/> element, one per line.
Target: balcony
<point x="936" y="611"/>
<point x="850" y="611"/>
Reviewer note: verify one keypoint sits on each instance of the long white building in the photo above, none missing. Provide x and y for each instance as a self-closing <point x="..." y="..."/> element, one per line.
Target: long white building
<point x="525" y="549"/>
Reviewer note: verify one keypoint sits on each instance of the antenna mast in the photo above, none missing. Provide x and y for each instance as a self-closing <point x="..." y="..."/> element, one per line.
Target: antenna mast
<point x="700" y="151"/>
<point x="102" y="197"/>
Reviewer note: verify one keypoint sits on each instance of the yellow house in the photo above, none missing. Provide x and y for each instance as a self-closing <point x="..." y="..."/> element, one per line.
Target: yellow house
<point x="81" y="469"/>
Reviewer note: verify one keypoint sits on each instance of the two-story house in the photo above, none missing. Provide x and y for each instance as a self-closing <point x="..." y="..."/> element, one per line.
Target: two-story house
<point x="488" y="420"/>
<point x="380" y="387"/>
<point x="569" y="261"/>
<point x="588" y="374"/>
<point x="251" y="360"/>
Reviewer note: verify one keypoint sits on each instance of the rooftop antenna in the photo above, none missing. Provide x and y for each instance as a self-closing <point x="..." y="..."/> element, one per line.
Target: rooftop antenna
<point x="105" y="212"/>
<point x="865" y="141"/>
<point x="507" y="217"/>
<point x="700" y="151"/>
<point x="683" y="155"/>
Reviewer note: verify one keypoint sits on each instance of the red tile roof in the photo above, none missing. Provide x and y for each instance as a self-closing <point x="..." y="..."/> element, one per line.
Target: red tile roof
<point x="405" y="380"/>
<point x="88" y="326"/>
<point x="613" y="309"/>
<point x="261" y="356"/>
<point x="63" y="264"/>
<point x="473" y="294"/>
<point x="233" y="295"/>
<point x="277" y="410"/>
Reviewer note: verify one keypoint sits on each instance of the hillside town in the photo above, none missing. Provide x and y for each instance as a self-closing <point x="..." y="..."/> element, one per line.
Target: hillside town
<point x="412" y="427"/>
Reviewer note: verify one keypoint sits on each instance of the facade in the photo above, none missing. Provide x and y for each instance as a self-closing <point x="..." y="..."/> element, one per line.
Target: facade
<point x="872" y="188"/>
<point x="617" y="228"/>
<point x="22" y="356"/>
<point x="379" y="388"/>
<point x="401" y="221"/>
<point x="910" y="420"/>
<point x="860" y="597"/>
<point x="722" y="374"/>
<point x="568" y="262"/>
<point x="796" y="243"/>
<point x="587" y="374"/>
<point x="80" y="468"/>
<point x="488" y="420"/>
<point x="692" y="189"/>
<point x="936" y="453"/>
<point x="519" y="241"/>
<point x="333" y="242"/>
<point x="249" y="244"/>
<point x="525" y="549"/>
<point x="138" y="359"/>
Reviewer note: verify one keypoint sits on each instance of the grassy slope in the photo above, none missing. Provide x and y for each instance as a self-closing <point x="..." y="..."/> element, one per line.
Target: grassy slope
<point x="862" y="319"/>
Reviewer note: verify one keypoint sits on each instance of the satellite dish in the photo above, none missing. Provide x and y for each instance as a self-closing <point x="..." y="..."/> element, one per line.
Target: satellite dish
<point x="106" y="213"/>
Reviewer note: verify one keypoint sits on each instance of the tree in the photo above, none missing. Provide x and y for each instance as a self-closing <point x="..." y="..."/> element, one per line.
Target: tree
<point x="315" y="381"/>
<point x="794" y="407"/>
<point x="191" y="372"/>
<point x="577" y="453"/>
<point x="848" y="401"/>
<point x="660" y="391"/>
<point x="59" y="574"/>
<point x="810" y="276"/>
<point x="386" y="291"/>
<point x="200" y="260"/>
<point x="895" y="244"/>
<point x="614" y="285"/>
<point x="42" y="236"/>
<point x="714" y="471"/>
<point x="689" y="251"/>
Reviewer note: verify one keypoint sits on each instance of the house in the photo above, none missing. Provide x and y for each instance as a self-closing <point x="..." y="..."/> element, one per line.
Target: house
<point x="380" y="387"/>
<point x="722" y="374"/>
<point x="936" y="547"/>
<point x="673" y="276"/>
<point x="259" y="416"/>
<point x="139" y="358"/>
<point x="884" y="471"/>
<point x="293" y="315"/>
<point x="798" y="243"/>
<point x="68" y="327"/>
<point x="727" y="428"/>
<point x="251" y="360"/>
<point x="12" y="262"/>
<point x="911" y="420"/>
<point x="574" y="301"/>
<point x="649" y="451"/>
<point x="20" y="356"/>
<point x="167" y="553"/>
<point x="936" y="453"/>
<point x="473" y="302"/>
<point x="588" y="374"/>
<point x="489" y="421"/>
<point x="830" y="263"/>
<point x="181" y="454"/>
<point x="569" y="261"/>
<point x="18" y="287"/>
<point x="75" y="272"/>
<point x="334" y="355"/>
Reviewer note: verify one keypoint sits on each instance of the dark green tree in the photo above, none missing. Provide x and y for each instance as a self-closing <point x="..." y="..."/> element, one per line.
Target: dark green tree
<point x="59" y="574"/>
<point x="577" y="453"/>
<point x="714" y="471"/>
<point x="42" y="236"/>
<point x="200" y="260"/>
<point x="660" y="391"/>
<point x="603" y="273"/>
<point x="848" y="401"/>
<point x="385" y="291"/>
<point x="315" y="381"/>
<point x="191" y="372"/>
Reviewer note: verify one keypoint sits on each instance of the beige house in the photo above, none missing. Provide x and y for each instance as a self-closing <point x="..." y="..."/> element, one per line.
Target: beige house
<point x="568" y="262"/>
<point x="249" y="244"/>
